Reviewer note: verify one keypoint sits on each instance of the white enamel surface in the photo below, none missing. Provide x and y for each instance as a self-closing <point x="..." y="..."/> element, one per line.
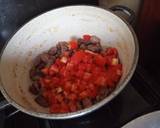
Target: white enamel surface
<point x="151" y="120"/>
<point x="45" y="31"/>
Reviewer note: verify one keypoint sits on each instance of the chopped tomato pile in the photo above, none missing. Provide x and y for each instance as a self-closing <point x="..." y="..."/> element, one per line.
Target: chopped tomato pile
<point x="74" y="81"/>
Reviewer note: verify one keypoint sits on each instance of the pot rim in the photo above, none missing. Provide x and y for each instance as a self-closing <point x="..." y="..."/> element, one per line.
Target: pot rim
<point x="93" y="107"/>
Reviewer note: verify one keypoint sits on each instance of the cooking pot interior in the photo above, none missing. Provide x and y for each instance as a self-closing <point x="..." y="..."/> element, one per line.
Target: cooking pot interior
<point x="45" y="31"/>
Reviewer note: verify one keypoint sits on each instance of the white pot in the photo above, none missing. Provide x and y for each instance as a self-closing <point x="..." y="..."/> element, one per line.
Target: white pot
<point x="43" y="32"/>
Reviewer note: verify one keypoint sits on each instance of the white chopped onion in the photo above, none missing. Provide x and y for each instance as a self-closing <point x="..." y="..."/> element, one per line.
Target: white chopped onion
<point x="59" y="89"/>
<point x="64" y="59"/>
<point x="114" y="61"/>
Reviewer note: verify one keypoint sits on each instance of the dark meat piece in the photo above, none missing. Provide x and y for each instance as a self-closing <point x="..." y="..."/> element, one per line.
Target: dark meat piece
<point x="62" y="47"/>
<point x="32" y="72"/>
<point x="83" y="46"/>
<point x="103" y="93"/>
<point x="53" y="58"/>
<point x="71" y="52"/>
<point x="42" y="101"/>
<point x="95" y="39"/>
<point x="79" y="105"/>
<point x="89" y="43"/>
<point x="53" y="51"/>
<point x="37" y="61"/>
<point x="40" y="65"/>
<point x="35" y="78"/>
<point x="35" y="88"/>
<point x="51" y="61"/>
<point x="81" y="41"/>
<point x="94" y="48"/>
<point x="58" y="54"/>
<point x="87" y="102"/>
<point x="58" y="46"/>
<point x="92" y="45"/>
<point x="35" y="74"/>
<point x="45" y="57"/>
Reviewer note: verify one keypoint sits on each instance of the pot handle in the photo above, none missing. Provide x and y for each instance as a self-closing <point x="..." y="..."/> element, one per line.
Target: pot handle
<point x="127" y="11"/>
<point x="4" y="104"/>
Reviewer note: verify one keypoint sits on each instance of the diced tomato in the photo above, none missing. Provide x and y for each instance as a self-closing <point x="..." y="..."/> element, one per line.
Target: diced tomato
<point x="64" y="107"/>
<point x="47" y="81"/>
<point x="81" y="67"/>
<point x="66" y="93"/>
<point x="63" y="69"/>
<point x="91" y="90"/>
<point x="74" y="88"/>
<point x="67" y="86"/>
<point x="42" y="82"/>
<point x="66" y="53"/>
<point x="73" y="78"/>
<point x="59" y="98"/>
<point x="73" y="44"/>
<point x="69" y="66"/>
<point x="100" y="81"/>
<point x="109" y="60"/>
<point x="81" y="88"/>
<point x="87" y="76"/>
<point x="86" y="37"/>
<point x="111" y="52"/>
<point x="51" y="72"/>
<point x="72" y="96"/>
<point x="79" y="74"/>
<point x="45" y="70"/>
<point x="54" y="68"/>
<point x="83" y="94"/>
<point x="59" y="63"/>
<point x="93" y="93"/>
<point x="47" y="94"/>
<point x="96" y="71"/>
<point x="119" y="66"/>
<point x="77" y="57"/>
<point x="55" y="81"/>
<point x="88" y="58"/>
<point x="55" y="108"/>
<point x="100" y="60"/>
<point x="72" y="106"/>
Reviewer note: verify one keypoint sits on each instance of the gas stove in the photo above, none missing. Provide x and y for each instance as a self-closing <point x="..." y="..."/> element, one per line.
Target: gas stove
<point x="140" y="96"/>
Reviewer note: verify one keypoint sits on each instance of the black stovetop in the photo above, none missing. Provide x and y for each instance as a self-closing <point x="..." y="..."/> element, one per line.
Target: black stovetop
<point x="140" y="96"/>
